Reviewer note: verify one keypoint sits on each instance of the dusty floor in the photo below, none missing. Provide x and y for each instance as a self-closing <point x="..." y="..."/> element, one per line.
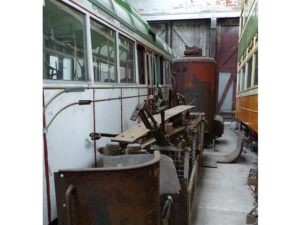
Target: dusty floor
<point x="223" y="196"/>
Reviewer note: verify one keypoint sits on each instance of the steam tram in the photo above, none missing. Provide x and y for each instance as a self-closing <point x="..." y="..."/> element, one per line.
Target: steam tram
<point x="247" y="80"/>
<point x="100" y="59"/>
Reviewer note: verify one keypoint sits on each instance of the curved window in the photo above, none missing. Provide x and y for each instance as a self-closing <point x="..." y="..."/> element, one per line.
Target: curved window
<point x="63" y="39"/>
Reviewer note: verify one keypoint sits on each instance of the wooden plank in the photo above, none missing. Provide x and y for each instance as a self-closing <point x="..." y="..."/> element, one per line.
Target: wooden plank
<point x="138" y="131"/>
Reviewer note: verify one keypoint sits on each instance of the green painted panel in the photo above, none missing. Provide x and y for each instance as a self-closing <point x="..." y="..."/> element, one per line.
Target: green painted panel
<point x="250" y="30"/>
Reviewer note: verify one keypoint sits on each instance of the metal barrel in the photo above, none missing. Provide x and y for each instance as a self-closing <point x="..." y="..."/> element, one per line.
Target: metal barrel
<point x="123" y="190"/>
<point x="195" y="78"/>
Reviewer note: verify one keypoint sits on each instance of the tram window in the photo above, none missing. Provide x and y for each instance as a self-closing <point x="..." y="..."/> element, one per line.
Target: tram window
<point x="161" y="70"/>
<point x="242" y="87"/>
<point x="249" y="74"/>
<point x="148" y="61"/>
<point x="141" y="64"/>
<point x="256" y="69"/>
<point x="154" y="69"/>
<point x="167" y="72"/>
<point x="63" y="38"/>
<point x="238" y="82"/>
<point x="126" y="47"/>
<point x="104" y="54"/>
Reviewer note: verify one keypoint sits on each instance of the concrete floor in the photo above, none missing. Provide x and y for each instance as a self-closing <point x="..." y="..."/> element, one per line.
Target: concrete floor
<point x="223" y="196"/>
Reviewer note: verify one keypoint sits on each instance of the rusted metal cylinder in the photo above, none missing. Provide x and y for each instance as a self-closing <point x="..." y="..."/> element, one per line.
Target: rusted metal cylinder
<point x="123" y="190"/>
<point x="195" y="78"/>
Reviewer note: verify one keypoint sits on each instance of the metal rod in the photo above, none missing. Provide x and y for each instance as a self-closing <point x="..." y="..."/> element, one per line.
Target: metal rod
<point x="77" y="103"/>
<point x="54" y="97"/>
<point x="192" y="178"/>
<point x="108" y="87"/>
<point x="69" y="190"/>
<point x="46" y="164"/>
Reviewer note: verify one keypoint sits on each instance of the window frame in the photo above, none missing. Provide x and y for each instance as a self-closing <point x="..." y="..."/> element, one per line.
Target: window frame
<point x="91" y="53"/>
<point x="134" y="60"/>
<point x="72" y="11"/>
<point x="249" y="86"/>
<point x="255" y="66"/>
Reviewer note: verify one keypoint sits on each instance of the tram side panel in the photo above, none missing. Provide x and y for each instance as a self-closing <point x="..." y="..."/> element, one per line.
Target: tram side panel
<point x="128" y="105"/>
<point x="67" y="136"/>
<point x="247" y="111"/>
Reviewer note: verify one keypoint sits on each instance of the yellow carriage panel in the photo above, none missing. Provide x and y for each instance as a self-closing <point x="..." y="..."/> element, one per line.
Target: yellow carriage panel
<point x="247" y="111"/>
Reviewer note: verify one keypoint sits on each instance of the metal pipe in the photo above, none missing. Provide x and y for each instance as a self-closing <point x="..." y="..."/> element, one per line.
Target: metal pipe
<point x="88" y="101"/>
<point x="107" y="87"/>
<point x="46" y="164"/>
<point x="53" y="118"/>
<point x="193" y="174"/>
<point x="94" y="128"/>
<point x="66" y="90"/>
<point x="69" y="191"/>
<point x="54" y="97"/>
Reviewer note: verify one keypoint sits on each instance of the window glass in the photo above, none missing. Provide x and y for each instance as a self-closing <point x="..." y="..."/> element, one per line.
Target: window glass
<point x="256" y="69"/>
<point x="154" y="69"/>
<point x="141" y="64"/>
<point x="161" y="70"/>
<point x="167" y="71"/>
<point x="104" y="54"/>
<point x="63" y="39"/>
<point x="238" y="82"/>
<point x="148" y="69"/>
<point x="126" y="49"/>
<point x="242" y="79"/>
<point x="249" y="74"/>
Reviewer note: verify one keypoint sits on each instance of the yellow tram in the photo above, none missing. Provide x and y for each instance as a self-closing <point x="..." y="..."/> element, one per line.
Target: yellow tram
<point x="246" y="111"/>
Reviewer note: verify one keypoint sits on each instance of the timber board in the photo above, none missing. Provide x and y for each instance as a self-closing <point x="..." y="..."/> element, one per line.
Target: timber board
<point x="138" y="131"/>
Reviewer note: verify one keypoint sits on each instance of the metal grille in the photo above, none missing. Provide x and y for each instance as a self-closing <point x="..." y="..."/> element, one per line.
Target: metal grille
<point x="178" y="159"/>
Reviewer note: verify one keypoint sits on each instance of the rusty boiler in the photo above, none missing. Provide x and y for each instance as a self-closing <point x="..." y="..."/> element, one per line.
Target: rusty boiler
<point x="121" y="190"/>
<point x="195" y="79"/>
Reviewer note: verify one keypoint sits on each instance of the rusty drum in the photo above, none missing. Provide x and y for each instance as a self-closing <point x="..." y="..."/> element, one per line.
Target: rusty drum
<point x="195" y="78"/>
<point x="123" y="190"/>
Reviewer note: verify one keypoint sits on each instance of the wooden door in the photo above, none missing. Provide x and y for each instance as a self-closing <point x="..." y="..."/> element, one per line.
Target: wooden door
<point x="227" y="46"/>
